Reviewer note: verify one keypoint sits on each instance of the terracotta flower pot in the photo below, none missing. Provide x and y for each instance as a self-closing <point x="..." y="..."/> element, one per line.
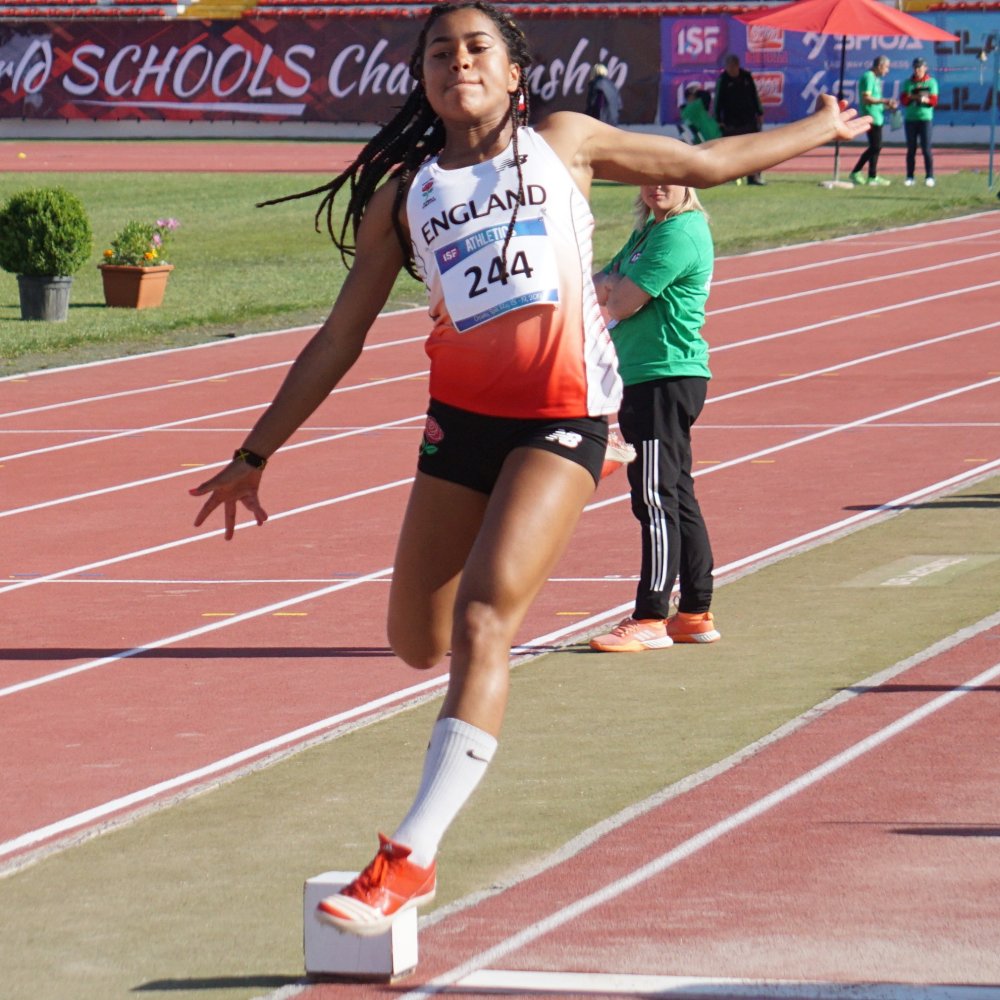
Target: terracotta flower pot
<point x="134" y="287"/>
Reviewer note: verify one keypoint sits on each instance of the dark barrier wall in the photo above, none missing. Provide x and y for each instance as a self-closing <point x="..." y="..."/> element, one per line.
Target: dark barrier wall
<point x="340" y="69"/>
<point x="352" y="69"/>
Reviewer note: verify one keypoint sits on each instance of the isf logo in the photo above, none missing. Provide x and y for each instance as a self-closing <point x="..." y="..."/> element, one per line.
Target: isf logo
<point x="698" y="42"/>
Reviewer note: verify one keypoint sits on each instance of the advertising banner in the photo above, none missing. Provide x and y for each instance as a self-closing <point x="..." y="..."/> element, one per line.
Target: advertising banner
<point x="342" y="69"/>
<point x="792" y="69"/>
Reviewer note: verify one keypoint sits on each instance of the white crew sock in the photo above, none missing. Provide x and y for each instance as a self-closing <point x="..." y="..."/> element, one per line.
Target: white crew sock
<point x="457" y="758"/>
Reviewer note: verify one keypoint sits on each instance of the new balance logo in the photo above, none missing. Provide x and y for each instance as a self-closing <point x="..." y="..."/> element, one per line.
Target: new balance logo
<point x="511" y="162"/>
<point x="568" y="439"/>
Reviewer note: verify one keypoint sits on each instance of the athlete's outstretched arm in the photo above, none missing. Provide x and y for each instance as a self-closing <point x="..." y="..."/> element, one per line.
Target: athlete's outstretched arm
<point x="592" y="149"/>
<point x="323" y="362"/>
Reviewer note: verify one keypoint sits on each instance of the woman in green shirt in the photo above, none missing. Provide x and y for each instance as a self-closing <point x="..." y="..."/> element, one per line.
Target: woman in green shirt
<point x="655" y="291"/>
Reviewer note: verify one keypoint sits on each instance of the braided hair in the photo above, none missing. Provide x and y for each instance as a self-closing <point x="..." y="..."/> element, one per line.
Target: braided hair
<point x="413" y="135"/>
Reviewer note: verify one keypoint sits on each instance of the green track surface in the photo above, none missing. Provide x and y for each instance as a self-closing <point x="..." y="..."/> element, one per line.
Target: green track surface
<point x="203" y="899"/>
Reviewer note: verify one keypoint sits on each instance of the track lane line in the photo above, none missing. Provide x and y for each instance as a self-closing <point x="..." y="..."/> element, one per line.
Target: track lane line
<point x="847" y="259"/>
<point x="169" y="425"/>
<point x="699" y="841"/>
<point x="858" y="283"/>
<point x="423" y="690"/>
<point x="817" y="372"/>
<point x="720" y="466"/>
<point x="183" y="383"/>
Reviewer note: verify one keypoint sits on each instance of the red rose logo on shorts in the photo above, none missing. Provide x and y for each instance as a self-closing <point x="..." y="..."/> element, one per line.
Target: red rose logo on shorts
<point x="433" y="432"/>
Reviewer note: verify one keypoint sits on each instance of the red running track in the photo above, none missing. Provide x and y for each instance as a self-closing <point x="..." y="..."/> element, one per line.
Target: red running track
<point x="847" y="374"/>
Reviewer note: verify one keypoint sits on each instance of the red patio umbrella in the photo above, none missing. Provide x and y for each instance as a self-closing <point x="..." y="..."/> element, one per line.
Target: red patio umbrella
<point x="858" y="18"/>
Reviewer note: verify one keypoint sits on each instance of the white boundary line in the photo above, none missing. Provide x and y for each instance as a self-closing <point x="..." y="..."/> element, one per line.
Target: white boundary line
<point x="426" y="688"/>
<point x="186" y="383"/>
<point x="875" y="280"/>
<point x="45" y="578"/>
<point x="224" y="341"/>
<point x="699" y="841"/>
<point x="846" y="259"/>
<point x="137" y="431"/>
<point x="611" y="984"/>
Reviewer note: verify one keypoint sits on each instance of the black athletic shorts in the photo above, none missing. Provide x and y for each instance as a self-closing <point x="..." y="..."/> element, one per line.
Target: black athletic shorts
<point x="470" y="448"/>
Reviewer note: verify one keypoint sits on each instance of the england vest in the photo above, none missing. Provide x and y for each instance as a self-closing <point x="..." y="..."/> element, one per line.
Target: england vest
<point x="527" y="340"/>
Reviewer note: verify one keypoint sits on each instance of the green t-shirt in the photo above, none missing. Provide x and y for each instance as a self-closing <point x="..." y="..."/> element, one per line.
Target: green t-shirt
<point x="915" y="111"/>
<point x="871" y="83"/>
<point x="703" y="125"/>
<point x="672" y="262"/>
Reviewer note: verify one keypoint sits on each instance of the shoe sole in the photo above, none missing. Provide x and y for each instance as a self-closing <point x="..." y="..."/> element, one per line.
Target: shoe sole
<point x="712" y="636"/>
<point x="374" y="926"/>
<point x="636" y="646"/>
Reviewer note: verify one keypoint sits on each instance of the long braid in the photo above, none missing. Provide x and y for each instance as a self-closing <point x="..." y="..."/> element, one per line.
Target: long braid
<point x="414" y="134"/>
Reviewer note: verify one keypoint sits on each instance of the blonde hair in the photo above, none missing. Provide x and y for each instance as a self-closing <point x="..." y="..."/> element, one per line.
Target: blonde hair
<point x="689" y="203"/>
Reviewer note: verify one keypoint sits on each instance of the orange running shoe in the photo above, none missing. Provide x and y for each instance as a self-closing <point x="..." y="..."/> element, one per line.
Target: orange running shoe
<point x="633" y="635"/>
<point x="689" y="627"/>
<point x="389" y="885"/>
<point x="619" y="453"/>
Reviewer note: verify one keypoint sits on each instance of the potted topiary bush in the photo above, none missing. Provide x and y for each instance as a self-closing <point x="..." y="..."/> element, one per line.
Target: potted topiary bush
<point x="45" y="238"/>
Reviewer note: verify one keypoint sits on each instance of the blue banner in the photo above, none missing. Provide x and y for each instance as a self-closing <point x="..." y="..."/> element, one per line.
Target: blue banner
<point x="792" y="69"/>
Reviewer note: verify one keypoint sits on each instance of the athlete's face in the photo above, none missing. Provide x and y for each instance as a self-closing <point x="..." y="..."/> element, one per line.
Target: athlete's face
<point x="662" y="198"/>
<point x="467" y="71"/>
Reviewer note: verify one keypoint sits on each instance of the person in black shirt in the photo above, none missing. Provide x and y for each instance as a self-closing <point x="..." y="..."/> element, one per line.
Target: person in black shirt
<point x="737" y="104"/>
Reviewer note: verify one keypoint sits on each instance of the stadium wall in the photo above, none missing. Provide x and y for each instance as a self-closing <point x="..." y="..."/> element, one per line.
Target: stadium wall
<point x="338" y="76"/>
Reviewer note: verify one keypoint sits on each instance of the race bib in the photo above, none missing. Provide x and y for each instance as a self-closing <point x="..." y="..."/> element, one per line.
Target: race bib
<point x="473" y="281"/>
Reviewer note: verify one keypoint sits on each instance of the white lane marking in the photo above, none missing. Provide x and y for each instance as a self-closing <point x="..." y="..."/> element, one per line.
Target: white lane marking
<point x="178" y="543"/>
<point x="205" y="469"/>
<point x="607" y="984"/>
<point x="846" y="259"/>
<point x="427" y="688"/>
<point x="850" y="317"/>
<point x="136" y="431"/>
<point x="323" y="440"/>
<point x="877" y="356"/>
<point x="183" y="383"/>
<point x="105" y="809"/>
<point x="699" y="841"/>
<point x="875" y="279"/>
<point x="222" y="342"/>
<point x="807" y="539"/>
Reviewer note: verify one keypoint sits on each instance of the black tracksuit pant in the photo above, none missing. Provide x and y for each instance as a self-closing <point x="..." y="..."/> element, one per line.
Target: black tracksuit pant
<point x="656" y="418"/>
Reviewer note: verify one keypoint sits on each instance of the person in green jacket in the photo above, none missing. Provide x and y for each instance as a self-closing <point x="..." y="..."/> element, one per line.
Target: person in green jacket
<point x="695" y="114"/>
<point x="655" y="290"/>
<point x="919" y="97"/>
<point x="873" y="103"/>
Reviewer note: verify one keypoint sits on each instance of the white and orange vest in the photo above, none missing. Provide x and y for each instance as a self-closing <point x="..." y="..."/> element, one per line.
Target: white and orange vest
<point x="531" y="343"/>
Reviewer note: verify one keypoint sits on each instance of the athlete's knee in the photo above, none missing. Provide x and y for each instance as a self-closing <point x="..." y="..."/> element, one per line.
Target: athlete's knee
<point x="417" y="648"/>
<point x="481" y="629"/>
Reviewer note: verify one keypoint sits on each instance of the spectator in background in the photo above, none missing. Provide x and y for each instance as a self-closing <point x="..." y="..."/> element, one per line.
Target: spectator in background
<point x="919" y="97"/>
<point x="737" y="104"/>
<point x="695" y="114"/>
<point x="874" y="104"/>
<point x="603" y="100"/>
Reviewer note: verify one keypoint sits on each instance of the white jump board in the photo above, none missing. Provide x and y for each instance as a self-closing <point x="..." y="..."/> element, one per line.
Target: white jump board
<point x="331" y="953"/>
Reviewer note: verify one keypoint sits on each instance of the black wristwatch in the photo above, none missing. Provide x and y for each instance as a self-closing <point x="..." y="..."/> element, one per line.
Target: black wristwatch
<point x="252" y="459"/>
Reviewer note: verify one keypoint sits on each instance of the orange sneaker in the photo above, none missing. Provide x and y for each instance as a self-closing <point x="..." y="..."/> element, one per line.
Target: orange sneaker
<point x="619" y="453"/>
<point x="633" y="635"/>
<point x="389" y="885"/>
<point x="689" y="627"/>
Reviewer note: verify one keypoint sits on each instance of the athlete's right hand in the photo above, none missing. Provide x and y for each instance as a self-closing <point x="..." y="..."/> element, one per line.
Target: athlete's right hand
<point x="236" y="483"/>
